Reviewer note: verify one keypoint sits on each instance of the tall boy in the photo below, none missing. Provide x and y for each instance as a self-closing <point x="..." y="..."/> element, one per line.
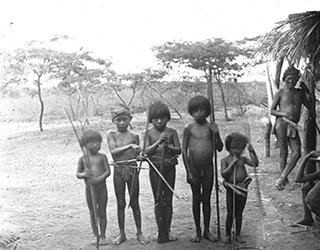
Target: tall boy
<point x="160" y="137"/>
<point x="287" y="103"/>
<point x="95" y="175"/>
<point x="124" y="146"/>
<point x="197" y="150"/>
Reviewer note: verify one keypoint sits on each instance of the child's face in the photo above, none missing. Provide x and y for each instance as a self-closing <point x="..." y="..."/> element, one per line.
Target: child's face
<point x="291" y="81"/>
<point x="122" y="122"/>
<point x="199" y="115"/>
<point x="93" y="147"/>
<point x="237" y="151"/>
<point x="160" y="122"/>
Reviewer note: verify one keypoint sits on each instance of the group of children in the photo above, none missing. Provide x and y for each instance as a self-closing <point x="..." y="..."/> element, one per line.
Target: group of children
<point x="161" y="149"/>
<point x="200" y="140"/>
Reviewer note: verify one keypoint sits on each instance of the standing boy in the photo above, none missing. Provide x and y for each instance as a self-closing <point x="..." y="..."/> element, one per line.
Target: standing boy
<point x="160" y="137"/>
<point x="95" y="175"/>
<point x="236" y="181"/>
<point x="197" y="150"/>
<point x="287" y="103"/>
<point x="124" y="147"/>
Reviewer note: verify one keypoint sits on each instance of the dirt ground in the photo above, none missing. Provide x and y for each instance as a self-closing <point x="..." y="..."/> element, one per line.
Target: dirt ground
<point x="43" y="202"/>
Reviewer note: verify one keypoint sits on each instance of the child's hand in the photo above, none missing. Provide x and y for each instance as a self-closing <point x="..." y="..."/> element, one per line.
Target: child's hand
<point x="164" y="138"/>
<point x="136" y="148"/>
<point x="190" y="179"/>
<point x="250" y="148"/>
<point x="93" y="181"/>
<point x="235" y="159"/>
<point x="214" y="128"/>
<point x="87" y="173"/>
<point x="289" y="116"/>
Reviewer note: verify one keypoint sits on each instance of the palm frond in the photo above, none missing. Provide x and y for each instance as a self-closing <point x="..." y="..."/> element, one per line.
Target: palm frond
<point x="296" y="38"/>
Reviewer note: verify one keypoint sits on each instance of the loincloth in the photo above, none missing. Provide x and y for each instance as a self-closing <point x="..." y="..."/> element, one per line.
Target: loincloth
<point x="125" y="170"/>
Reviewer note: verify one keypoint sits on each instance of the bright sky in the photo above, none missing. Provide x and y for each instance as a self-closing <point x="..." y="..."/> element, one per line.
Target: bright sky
<point x="125" y="30"/>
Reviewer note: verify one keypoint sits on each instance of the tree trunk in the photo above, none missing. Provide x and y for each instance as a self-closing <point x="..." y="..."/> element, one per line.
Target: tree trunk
<point x="310" y="133"/>
<point x="269" y="125"/>
<point x="239" y="96"/>
<point x="71" y="108"/>
<point x="41" y="103"/>
<point x="223" y="101"/>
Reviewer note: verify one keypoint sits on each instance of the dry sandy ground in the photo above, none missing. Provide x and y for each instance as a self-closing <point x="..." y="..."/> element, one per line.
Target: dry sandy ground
<point x="43" y="202"/>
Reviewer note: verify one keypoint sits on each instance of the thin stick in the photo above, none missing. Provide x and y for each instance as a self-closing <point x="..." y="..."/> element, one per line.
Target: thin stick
<point x="247" y="127"/>
<point x="234" y="223"/>
<point x="161" y="176"/>
<point x="137" y="171"/>
<point x="91" y="187"/>
<point x="215" y="172"/>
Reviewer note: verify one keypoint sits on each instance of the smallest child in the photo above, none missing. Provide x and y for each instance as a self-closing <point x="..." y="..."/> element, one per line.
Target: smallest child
<point x="236" y="181"/>
<point x="94" y="169"/>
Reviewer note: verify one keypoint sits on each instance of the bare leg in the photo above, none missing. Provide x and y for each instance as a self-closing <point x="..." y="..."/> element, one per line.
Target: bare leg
<point x="307" y="219"/>
<point x="207" y="185"/>
<point x="196" y="193"/>
<point x="240" y="204"/>
<point x="229" y="217"/>
<point x="102" y="205"/>
<point x="295" y="145"/>
<point x="119" y="187"/>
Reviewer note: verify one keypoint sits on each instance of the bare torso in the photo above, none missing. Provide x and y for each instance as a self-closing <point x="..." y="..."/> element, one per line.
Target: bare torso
<point x="290" y="101"/>
<point x="121" y="140"/>
<point x="200" y="144"/>
<point x="154" y="136"/>
<point x="239" y="170"/>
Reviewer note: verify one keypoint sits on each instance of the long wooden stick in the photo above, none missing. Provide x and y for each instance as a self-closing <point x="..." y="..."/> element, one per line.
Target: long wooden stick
<point x="247" y="127"/>
<point x="161" y="176"/>
<point x="91" y="187"/>
<point x="215" y="172"/>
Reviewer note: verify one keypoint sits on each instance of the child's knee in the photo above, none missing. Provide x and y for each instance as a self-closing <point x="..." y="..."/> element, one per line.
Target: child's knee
<point x="135" y="204"/>
<point x="121" y="204"/>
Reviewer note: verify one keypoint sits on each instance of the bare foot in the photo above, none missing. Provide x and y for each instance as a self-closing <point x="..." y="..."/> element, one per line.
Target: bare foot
<point x="94" y="241"/>
<point x="239" y="239"/>
<point x="121" y="238"/>
<point x="103" y="242"/>
<point x="227" y="239"/>
<point x="172" y="237"/>
<point x="142" y="239"/>
<point x="196" y="238"/>
<point x="209" y="236"/>
<point x="305" y="222"/>
<point x="279" y="184"/>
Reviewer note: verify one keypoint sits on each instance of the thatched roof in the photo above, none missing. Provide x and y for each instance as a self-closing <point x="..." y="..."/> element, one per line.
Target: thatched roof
<point x="296" y="38"/>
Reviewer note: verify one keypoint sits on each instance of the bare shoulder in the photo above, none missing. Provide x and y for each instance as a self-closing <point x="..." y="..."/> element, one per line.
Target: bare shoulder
<point x="171" y="130"/>
<point x="110" y="132"/>
<point x="189" y="126"/>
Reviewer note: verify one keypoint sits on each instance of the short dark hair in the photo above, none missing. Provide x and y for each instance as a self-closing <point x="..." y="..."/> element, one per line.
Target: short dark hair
<point x="158" y="109"/>
<point x="236" y="138"/>
<point x="199" y="101"/>
<point x="291" y="70"/>
<point x="90" y="136"/>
